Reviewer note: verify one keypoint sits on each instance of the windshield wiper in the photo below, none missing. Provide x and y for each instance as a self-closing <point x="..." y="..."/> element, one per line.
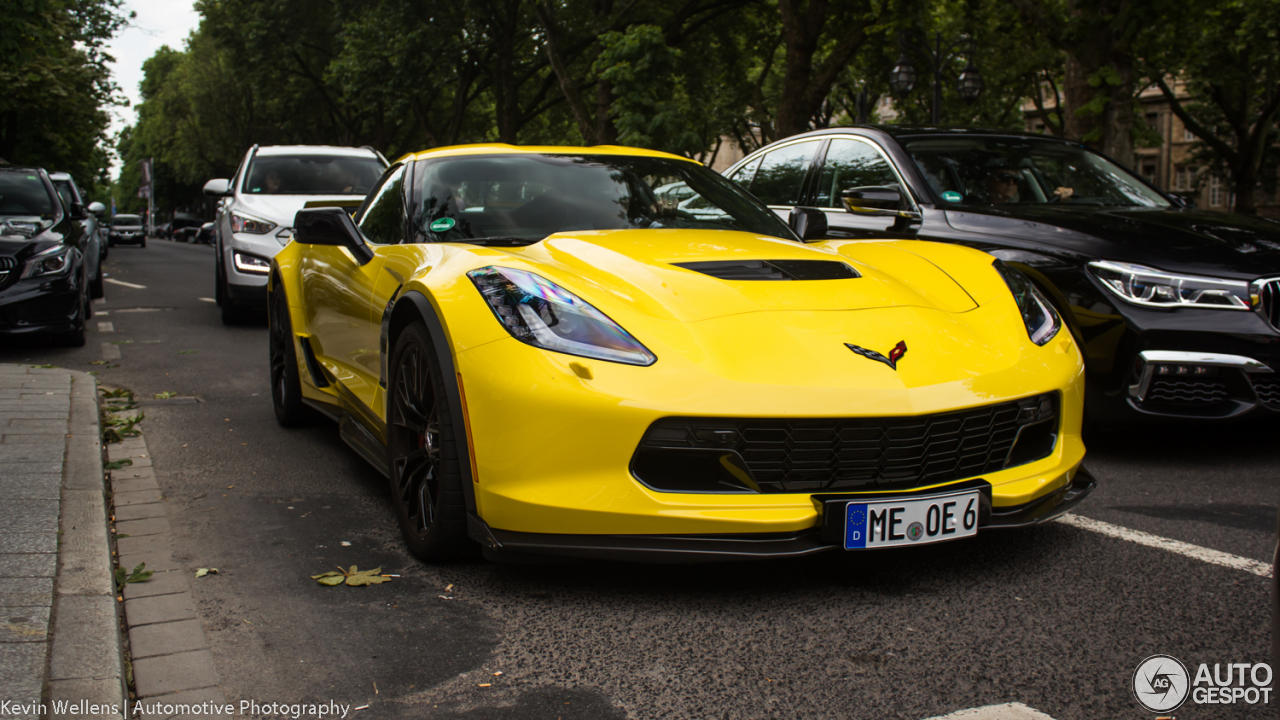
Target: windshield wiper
<point x="499" y="241"/>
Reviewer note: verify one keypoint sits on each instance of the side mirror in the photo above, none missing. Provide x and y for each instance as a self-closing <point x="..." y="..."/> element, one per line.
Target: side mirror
<point x="809" y="223"/>
<point x="331" y="226"/>
<point x="97" y="208"/>
<point x="875" y="200"/>
<point x="218" y="187"/>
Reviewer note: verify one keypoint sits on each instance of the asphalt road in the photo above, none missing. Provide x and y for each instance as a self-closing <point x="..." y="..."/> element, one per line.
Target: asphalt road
<point x="1054" y="617"/>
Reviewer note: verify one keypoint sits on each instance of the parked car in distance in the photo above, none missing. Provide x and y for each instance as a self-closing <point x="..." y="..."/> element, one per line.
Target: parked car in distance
<point x="255" y="217"/>
<point x="182" y="225"/>
<point x="163" y="230"/>
<point x="44" y="269"/>
<point x="205" y="235"/>
<point x="1177" y="310"/>
<point x="127" y="229"/>
<point x="96" y="245"/>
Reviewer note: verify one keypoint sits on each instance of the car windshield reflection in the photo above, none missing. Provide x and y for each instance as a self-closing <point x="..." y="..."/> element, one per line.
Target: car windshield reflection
<point x="990" y="172"/>
<point x="508" y="198"/>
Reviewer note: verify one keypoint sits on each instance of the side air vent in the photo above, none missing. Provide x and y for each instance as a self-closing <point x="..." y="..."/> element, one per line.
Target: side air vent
<point x="773" y="269"/>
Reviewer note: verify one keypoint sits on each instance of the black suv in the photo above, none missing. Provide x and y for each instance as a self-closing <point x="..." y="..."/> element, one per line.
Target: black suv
<point x="1177" y="310"/>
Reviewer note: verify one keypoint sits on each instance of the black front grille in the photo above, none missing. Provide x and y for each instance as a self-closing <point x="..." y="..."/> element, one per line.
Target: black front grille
<point x="1269" y="302"/>
<point x="8" y="263"/>
<point x="1186" y="391"/>
<point x="843" y="454"/>
<point x="1267" y="386"/>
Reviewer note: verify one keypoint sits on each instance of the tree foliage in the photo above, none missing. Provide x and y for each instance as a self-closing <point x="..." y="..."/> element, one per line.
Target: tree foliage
<point x="57" y="86"/>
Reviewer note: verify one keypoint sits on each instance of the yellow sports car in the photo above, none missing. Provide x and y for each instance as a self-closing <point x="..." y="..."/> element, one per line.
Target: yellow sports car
<point x="616" y="352"/>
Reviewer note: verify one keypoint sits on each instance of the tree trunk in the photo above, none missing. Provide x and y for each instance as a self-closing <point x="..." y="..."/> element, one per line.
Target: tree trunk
<point x="606" y="133"/>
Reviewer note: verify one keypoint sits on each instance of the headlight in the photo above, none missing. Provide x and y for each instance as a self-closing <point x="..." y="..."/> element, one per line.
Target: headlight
<point x="54" y="261"/>
<point x="1149" y="287"/>
<point x="251" y="264"/>
<point x="539" y="312"/>
<point x="246" y="224"/>
<point x="1038" y="315"/>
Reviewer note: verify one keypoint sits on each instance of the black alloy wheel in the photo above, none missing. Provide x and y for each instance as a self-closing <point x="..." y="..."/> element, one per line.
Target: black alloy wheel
<point x="423" y="450"/>
<point x="96" y="290"/>
<point x="232" y="313"/>
<point x="76" y="337"/>
<point x="286" y="383"/>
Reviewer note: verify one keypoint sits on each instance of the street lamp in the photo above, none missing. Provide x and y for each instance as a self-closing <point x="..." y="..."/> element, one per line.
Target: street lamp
<point x="903" y="77"/>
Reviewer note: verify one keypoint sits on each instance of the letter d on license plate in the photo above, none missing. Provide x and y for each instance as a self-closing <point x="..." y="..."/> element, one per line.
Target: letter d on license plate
<point x="911" y="521"/>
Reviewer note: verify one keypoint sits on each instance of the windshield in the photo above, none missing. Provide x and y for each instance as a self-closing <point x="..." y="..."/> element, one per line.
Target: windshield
<point x="981" y="171"/>
<point x="528" y="197"/>
<point x="312" y="175"/>
<point x="126" y="220"/>
<point x="24" y="195"/>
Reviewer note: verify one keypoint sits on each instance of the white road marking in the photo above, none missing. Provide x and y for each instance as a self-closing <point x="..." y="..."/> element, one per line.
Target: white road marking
<point x="1008" y="711"/>
<point x="106" y="327"/>
<point x="101" y="312"/>
<point x="1196" y="552"/>
<point x="114" y="281"/>
<point x="110" y="351"/>
<point x="207" y="300"/>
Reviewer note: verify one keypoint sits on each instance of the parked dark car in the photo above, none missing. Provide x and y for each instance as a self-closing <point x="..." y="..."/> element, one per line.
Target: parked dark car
<point x="44" y="279"/>
<point x="163" y="230"/>
<point x="183" y="226"/>
<point x="128" y="229"/>
<point x="96" y="244"/>
<point x="1177" y="309"/>
<point x="206" y="234"/>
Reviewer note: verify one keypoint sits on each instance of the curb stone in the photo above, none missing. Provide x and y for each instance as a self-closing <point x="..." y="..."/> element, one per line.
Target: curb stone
<point x="171" y="659"/>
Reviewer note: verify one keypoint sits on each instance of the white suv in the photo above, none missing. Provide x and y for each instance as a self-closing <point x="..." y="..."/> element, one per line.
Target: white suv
<point x="256" y="217"/>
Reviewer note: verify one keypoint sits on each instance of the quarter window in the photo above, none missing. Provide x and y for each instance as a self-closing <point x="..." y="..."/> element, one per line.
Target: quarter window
<point x="851" y="164"/>
<point x="383" y="221"/>
<point x="780" y="177"/>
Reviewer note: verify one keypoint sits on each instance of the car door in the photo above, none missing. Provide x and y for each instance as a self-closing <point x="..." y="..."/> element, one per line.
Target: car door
<point x="780" y="177"/>
<point x="853" y="162"/>
<point x="339" y="293"/>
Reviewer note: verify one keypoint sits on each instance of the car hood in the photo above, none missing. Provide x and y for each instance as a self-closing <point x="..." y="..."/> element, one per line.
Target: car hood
<point x="281" y="209"/>
<point x="1193" y="241"/>
<point x="641" y="268"/>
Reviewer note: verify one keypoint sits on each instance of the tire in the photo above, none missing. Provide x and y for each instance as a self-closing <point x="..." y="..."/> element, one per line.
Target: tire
<point x="143" y="243"/>
<point x="96" y="291"/>
<point x="286" y="384"/>
<point x="232" y="313"/>
<point x="76" y="338"/>
<point x="219" y="289"/>
<point x="424" y="445"/>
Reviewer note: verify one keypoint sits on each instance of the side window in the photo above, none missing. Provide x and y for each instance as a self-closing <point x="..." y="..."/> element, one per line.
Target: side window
<point x="64" y="191"/>
<point x="746" y="173"/>
<point x="851" y="164"/>
<point x="383" y="219"/>
<point x="780" y="177"/>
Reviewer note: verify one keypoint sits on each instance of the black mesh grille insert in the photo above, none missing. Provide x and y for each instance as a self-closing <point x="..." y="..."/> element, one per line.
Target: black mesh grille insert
<point x="1269" y="300"/>
<point x="1187" y="391"/>
<point x="773" y="269"/>
<point x="845" y="454"/>
<point x="1267" y="386"/>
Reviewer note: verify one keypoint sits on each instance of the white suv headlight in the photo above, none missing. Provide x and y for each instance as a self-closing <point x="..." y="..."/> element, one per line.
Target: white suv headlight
<point x="245" y="224"/>
<point x="1149" y="287"/>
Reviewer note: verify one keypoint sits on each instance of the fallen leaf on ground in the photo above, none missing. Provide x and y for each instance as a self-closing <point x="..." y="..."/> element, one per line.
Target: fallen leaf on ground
<point x="354" y="577"/>
<point x="165" y="395"/>
<point x="201" y="572"/>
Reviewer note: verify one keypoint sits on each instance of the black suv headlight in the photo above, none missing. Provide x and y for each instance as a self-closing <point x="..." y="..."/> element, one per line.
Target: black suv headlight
<point x="1038" y="315"/>
<point x="54" y="261"/>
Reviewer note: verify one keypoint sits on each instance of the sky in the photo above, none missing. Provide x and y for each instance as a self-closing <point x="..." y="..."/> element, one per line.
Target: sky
<point x="158" y="22"/>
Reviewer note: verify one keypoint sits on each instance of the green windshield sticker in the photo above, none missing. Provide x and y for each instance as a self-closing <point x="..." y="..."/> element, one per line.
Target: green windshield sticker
<point x="442" y="225"/>
<point x="952" y="196"/>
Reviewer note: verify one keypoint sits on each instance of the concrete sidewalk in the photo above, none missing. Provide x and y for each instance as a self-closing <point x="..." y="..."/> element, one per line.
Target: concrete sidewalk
<point x="60" y="648"/>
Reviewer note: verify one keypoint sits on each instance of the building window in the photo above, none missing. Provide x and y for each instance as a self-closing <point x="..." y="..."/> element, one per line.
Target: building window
<point x="1188" y="135"/>
<point x="1215" y="191"/>
<point x="1149" y="170"/>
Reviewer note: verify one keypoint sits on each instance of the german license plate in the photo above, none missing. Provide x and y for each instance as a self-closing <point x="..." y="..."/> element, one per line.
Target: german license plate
<point x="911" y="521"/>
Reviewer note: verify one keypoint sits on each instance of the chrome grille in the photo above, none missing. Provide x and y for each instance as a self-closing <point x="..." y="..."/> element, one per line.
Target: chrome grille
<point x="1269" y="301"/>
<point x="7" y="264"/>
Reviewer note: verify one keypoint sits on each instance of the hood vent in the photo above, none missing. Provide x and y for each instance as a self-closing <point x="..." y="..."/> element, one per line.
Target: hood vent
<point x="773" y="269"/>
